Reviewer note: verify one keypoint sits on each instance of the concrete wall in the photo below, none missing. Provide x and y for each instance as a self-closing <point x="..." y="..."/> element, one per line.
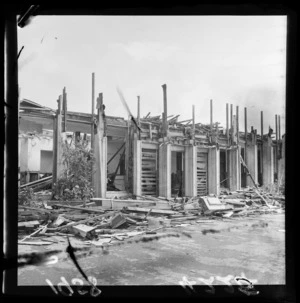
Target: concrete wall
<point x="35" y="145"/>
<point x="46" y="161"/>
<point x="214" y="171"/>
<point x="23" y="153"/>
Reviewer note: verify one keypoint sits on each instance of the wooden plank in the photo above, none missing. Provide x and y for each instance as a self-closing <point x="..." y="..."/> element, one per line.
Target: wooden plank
<point x="89" y="210"/>
<point x="154" y="211"/>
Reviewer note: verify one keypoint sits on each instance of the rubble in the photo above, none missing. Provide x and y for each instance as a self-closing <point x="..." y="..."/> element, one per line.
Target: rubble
<point x="99" y="227"/>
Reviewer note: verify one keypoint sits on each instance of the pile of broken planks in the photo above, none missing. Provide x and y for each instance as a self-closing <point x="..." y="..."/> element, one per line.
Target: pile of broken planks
<point x="103" y="222"/>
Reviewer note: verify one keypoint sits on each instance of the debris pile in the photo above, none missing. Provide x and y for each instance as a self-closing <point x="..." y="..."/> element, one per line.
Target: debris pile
<point x="105" y="221"/>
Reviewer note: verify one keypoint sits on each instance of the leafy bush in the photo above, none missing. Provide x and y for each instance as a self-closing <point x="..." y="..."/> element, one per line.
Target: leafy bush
<point x="75" y="182"/>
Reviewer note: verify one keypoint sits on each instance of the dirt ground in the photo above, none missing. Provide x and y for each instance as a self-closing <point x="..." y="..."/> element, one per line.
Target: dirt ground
<point x="248" y="249"/>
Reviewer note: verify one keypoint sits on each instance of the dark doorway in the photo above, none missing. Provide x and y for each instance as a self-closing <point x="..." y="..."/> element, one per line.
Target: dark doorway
<point x="223" y="175"/>
<point x="243" y="170"/>
<point x="177" y="174"/>
<point x="259" y="168"/>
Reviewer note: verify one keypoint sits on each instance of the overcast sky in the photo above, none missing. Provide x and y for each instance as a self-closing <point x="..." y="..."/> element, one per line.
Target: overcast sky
<point x="230" y="59"/>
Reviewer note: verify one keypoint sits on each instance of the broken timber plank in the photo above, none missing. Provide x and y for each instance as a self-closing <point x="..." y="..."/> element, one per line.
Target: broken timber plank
<point x="153" y="211"/>
<point x="90" y="210"/>
<point x="35" y="243"/>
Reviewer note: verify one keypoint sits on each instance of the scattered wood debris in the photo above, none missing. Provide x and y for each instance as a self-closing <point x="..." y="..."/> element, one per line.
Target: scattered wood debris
<point x="100" y="224"/>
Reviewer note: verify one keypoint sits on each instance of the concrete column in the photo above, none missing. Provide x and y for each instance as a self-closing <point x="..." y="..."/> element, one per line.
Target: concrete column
<point x="190" y="171"/>
<point x="252" y="163"/>
<point x="137" y="166"/>
<point x="214" y="171"/>
<point x="234" y="180"/>
<point x="268" y="162"/>
<point x="165" y="171"/>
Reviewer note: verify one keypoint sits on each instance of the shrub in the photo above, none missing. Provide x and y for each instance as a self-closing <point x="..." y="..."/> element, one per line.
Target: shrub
<point x="75" y="181"/>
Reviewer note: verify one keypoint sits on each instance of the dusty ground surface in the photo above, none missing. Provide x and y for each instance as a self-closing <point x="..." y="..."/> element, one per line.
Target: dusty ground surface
<point x="257" y="252"/>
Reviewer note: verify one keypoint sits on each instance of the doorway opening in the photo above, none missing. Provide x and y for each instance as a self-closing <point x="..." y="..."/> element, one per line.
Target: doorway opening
<point x="177" y="174"/>
<point x="243" y="170"/>
<point x="223" y="175"/>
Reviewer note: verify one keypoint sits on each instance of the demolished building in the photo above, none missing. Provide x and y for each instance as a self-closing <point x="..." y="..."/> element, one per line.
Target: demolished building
<point x="151" y="155"/>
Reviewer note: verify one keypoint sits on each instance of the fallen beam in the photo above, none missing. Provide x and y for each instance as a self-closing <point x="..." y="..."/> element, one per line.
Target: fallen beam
<point x="36" y="182"/>
<point x="89" y="210"/>
<point x="153" y="211"/>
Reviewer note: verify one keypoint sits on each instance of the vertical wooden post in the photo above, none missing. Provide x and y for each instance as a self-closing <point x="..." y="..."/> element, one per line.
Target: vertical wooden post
<point x="262" y="141"/>
<point x="276" y="149"/>
<point x="211" y="115"/>
<point x="65" y="110"/>
<point x="127" y="154"/>
<point x="93" y="111"/>
<point x="165" y="121"/>
<point x="193" y="113"/>
<point x="231" y="123"/>
<point x="100" y="179"/>
<point x="246" y="134"/>
<point x="138" y="116"/>
<point x="237" y="126"/>
<point x="57" y="143"/>
<point x="279" y="130"/>
<point x="138" y="110"/>
<point x="227" y="123"/>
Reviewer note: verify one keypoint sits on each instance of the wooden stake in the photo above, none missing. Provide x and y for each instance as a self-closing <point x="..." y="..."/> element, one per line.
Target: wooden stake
<point x="64" y="100"/>
<point x="231" y="122"/>
<point x="138" y="115"/>
<point x="93" y="108"/>
<point x="237" y="125"/>
<point x="193" y="112"/>
<point x="100" y="152"/>
<point x="165" y="122"/>
<point x="227" y="123"/>
<point x="211" y="115"/>
<point x="279" y="130"/>
<point x="138" y="110"/>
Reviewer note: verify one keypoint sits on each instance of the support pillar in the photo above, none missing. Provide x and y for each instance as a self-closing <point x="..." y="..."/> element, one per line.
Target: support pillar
<point x="100" y="152"/>
<point x="190" y="171"/>
<point x="234" y="180"/>
<point x="268" y="162"/>
<point x="252" y="163"/>
<point x="214" y="171"/>
<point x="165" y="171"/>
<point x="137" y="166"/>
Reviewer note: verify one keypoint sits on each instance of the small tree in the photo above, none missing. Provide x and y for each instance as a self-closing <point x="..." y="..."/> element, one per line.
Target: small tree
<point x="75" y="182"/>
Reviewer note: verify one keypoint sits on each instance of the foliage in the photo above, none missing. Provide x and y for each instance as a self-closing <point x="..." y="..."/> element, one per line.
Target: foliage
<point x="25" y="195"/>
<point x="75" y="182"/>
